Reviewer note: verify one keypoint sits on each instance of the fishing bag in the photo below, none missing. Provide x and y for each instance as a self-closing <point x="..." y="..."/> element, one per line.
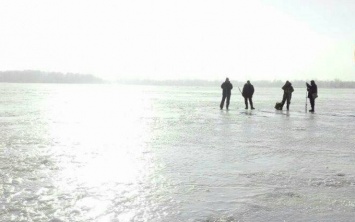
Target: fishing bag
<point x="278" y="106"/>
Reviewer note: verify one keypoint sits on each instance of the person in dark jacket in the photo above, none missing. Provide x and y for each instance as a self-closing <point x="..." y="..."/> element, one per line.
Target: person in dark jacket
<point x="226" y="94"/>
<point x="248" y="91"/>
<point x="312" y="94"/>
<point x="288" y="89"/>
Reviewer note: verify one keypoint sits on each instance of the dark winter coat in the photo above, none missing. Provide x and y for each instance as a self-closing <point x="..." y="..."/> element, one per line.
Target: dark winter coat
<point x="312" y="89"/>
<point x="248" y="90"/>
<point x="227" y="88"/>
<point x="287" y="88"/>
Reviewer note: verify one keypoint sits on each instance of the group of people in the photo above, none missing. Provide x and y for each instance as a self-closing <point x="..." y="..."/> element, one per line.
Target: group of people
<point x="248" y="91"/>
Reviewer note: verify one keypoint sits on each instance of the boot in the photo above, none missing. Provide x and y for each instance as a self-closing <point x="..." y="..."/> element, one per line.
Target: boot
<point x="281" y="107"/>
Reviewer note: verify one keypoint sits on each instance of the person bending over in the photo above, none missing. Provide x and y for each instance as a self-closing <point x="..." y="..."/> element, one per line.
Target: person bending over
<point x="288" y="89"/>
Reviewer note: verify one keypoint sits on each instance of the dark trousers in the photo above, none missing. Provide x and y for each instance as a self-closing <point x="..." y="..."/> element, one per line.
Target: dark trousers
<point x="224" y="97"/>
<point x="246" y="102"/>
<point x="286" y="97"/>
<point x="311" y="100"/>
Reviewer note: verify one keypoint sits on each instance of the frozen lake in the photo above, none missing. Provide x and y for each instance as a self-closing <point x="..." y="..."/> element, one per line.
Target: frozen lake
<point x="158" y="153"/>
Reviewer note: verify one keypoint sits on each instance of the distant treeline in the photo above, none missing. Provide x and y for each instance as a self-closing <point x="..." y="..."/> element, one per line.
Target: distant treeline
<point x="32" y="76"/>
<point x="257" y="83"/>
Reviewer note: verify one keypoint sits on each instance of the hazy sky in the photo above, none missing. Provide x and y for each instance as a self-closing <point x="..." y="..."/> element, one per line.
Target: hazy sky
<point x="168" y="39"/>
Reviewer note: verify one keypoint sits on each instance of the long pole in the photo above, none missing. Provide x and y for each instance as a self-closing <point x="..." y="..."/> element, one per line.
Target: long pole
<point x="240" y="91"/>
<point x="306" y="103"/>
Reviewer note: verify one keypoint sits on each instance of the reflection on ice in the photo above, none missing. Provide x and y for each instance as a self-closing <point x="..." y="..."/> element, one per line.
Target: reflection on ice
<point x="129" y="153"/>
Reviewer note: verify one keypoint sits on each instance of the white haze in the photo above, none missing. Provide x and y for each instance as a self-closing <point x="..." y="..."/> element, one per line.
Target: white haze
<point x="200" y="39"/>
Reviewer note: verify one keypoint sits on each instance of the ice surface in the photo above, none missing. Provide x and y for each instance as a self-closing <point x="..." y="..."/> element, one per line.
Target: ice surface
<point x="144" y="153"/>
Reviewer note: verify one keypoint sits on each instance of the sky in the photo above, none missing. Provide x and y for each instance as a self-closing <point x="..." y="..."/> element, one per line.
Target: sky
<point x="181" y="39"/>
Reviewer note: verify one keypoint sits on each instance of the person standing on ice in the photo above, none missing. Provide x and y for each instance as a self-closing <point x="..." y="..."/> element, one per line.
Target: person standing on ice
<point x="288" y="89"/>
<point x="248" y="91"/>
<point x="312" y="93"/>
<point x="226" y="94"/>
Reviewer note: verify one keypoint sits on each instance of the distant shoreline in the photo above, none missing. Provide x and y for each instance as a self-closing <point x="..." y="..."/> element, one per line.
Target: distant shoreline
<point x="34" y="76"/>
<point x="257" y="83"/>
